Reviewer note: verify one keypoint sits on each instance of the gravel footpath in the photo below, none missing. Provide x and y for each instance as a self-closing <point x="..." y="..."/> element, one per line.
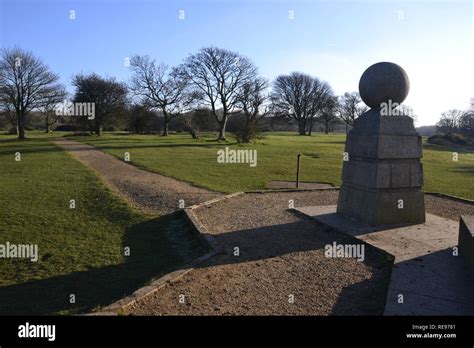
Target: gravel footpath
<point x="281" y="254"/>
<point x="146" y="191"/>
<point x="281" y="268"/>
<point x="448" y="208"/>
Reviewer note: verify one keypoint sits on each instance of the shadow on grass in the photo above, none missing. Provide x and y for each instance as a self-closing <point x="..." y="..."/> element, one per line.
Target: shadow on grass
<point x="444" y="148"/>
<point x="33" y="147"/>
<point x="157" y="247"/>
<point x="464" y="169"/>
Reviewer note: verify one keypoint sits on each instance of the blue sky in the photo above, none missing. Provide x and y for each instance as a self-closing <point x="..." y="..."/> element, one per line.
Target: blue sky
<point x="334" y="40"/>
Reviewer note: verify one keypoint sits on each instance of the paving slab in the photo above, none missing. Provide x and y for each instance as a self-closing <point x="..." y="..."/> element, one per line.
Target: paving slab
<point x="428" y="274"/>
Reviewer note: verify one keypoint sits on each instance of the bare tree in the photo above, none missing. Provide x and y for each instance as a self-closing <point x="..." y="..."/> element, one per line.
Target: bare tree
<point x="159" y="88"/>
<point x="197" y="120"/>
<point x="252" y="100"/>
<point x="217" y="75"/>
<point x="449" y="121"/>
<point x="109" y="96"/>
<point x="48" y="106"/>
<point x="324" y="102"/>
<point x="328" y="114"/>
<point x="24" y="81"/>
<point x="466" y="121"/>
<point x="9" y="112"/>
<point x="350" y="108"/>
<point x="301" y="97"/>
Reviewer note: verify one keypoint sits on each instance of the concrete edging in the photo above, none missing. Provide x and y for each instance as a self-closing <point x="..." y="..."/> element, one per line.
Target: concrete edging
<point x="454" y="198"/>
<point x="201" y="231"/>
<point x="294" y="190"/>
<point x="431" y="193"/>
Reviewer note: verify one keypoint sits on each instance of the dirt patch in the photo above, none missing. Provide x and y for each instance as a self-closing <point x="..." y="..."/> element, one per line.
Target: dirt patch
<point x="149" y="192"/>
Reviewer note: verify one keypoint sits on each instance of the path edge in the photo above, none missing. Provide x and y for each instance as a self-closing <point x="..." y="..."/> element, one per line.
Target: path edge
<point x="201" y="232"/>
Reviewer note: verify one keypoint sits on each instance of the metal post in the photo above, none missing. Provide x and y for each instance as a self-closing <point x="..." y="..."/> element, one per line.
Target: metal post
<point x="298" y="171"/>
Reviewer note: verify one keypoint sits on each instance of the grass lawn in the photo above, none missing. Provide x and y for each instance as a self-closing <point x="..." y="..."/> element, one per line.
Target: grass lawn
<point x="195" y="161"/>
<point x="81" y="250"/>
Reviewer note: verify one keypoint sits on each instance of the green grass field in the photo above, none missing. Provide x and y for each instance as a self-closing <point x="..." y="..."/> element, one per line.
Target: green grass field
<point x="195" y="161"/>
<point x="81" y="250"/>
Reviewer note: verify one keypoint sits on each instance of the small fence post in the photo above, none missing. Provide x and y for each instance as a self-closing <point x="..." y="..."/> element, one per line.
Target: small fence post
<point x="298" y="171"/>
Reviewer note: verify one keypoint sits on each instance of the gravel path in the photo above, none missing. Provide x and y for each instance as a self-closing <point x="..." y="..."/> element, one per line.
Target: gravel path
<point x="281" y="254"/>
<point x="146" y="191"/>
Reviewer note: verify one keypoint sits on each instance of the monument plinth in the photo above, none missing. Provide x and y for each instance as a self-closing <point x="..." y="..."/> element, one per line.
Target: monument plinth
<point x="382" y="177"/>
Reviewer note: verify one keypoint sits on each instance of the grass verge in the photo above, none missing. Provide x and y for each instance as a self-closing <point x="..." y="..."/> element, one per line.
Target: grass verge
<point x="81" y="250"/>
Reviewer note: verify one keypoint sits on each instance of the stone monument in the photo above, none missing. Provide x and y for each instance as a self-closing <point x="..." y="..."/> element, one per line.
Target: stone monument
<point x="382" y="175"/>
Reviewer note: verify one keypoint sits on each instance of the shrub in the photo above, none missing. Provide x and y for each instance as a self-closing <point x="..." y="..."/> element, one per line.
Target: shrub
<point x="449" y="139"/>
<point x="246" y="132"/>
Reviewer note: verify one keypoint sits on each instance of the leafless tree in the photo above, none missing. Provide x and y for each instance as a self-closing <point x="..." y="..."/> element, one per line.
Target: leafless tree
<point x="328" y="114"/>
<point x="252" y="100"/>
<point x="8" y="111"/>
<point x="449" y="121"/>
<point x="466" y="124"/>
<point x="198" y="120"/>
<point x="159" y="88"/>
<point x="301" y="97"/>
<point x="217" y="75"/>
<point x="48" y="106"/>
<point x="24" y="81"/>
<point x="324" y="103"/>
<point x="350" y="108"/>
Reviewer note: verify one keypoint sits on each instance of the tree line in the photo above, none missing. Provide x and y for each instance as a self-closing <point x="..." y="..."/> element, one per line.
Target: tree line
<point x="456" y="121"/>
<point x="213" y="83"/>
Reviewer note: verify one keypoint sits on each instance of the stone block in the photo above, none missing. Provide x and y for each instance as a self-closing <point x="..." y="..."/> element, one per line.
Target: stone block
<point x="382" y="207"/>
<point x="383" y="146"/>
<point x="383" y="173"/>
<point x="370" y="123"/>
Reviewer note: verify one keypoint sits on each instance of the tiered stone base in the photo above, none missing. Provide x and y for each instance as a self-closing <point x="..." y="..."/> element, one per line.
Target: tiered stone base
<point x="383" y="176"/>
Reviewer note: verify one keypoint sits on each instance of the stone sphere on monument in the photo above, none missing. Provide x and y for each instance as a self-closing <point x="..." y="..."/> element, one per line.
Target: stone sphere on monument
<point x="382" y="82"/>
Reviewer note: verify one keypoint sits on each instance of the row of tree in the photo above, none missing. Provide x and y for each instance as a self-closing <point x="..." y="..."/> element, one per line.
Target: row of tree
<point x="212" y="81"/>
<point x="457" y="122"/>
<point x="220" y="81"/>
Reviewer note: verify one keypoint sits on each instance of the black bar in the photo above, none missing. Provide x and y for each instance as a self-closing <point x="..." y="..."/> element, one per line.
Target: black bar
<point x="226" y="330"/>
